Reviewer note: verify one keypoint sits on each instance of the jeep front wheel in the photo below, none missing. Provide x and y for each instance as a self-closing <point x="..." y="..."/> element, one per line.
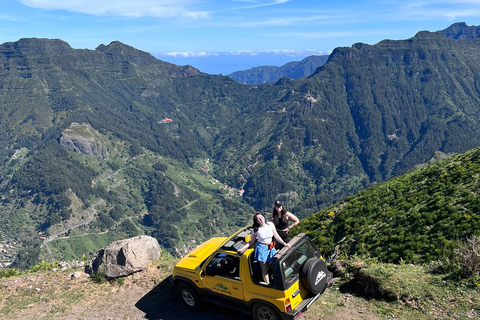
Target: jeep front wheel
<point x="264" y="312"/>
<point x="189" y="296"/>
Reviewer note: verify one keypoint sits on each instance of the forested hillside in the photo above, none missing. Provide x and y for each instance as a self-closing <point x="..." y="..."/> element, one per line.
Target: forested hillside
<point x="419" y="217"/>
<point x="97" y="145"/>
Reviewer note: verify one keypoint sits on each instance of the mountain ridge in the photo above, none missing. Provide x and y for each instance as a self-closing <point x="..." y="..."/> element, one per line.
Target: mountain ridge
<point x="267" y="74"/>
<point x="370" y="113"/>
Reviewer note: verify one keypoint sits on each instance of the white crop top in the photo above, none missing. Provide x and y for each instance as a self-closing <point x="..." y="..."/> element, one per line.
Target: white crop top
<point x="265" y="233"/>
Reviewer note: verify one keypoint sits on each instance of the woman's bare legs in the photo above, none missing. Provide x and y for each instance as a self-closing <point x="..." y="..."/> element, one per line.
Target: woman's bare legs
<point x="264" y="267"/>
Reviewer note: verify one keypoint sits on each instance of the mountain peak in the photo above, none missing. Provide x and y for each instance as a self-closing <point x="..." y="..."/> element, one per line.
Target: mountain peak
<point x="39" y="46"/>
<point x="119" y="50"/>
<point x="461" y="30"/>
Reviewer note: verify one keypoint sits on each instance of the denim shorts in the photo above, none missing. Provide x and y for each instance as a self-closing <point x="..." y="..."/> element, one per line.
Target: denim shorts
<point x="263" y="254"/>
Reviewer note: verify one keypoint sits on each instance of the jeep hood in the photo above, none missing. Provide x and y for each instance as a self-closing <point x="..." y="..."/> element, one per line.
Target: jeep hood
<point x="200" y="253"/>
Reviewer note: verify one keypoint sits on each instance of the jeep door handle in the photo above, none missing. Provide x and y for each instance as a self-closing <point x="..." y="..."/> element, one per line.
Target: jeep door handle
<point x="235" y="287"/>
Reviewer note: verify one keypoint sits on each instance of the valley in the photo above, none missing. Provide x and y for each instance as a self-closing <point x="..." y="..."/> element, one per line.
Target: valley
<point x="99" y="145"/>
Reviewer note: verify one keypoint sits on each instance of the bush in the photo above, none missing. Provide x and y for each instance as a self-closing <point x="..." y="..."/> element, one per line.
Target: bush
<point x="443" y="266"/>
<point x="99" y="277"/>
<point x="10" y="272"/>
<point x="468" y="257"/>
<point x="43" y="266"/>
<point x="464" y="266"/>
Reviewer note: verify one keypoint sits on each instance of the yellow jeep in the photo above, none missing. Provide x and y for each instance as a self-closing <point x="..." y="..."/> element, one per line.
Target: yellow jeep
<point x="215" y="272"/>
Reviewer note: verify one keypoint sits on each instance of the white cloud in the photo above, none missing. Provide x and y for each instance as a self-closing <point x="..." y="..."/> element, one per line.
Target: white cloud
<point x="290" y="20"/>
<point x="257" y="4"/>
<point x="10" y="18"/>
<point x="275" y="52"/>
<point x="126" y="8"/>
<point x="178" y="54"/>
<point x="292" y="53"/>
<point x="149" y="8"/>
<point x="437" y="9"/>
<point x="332" y="34"/>
<point x="457" y="14"/>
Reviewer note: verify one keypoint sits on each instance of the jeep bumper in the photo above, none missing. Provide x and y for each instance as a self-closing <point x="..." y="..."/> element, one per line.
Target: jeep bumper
<point x="301" y="308"/>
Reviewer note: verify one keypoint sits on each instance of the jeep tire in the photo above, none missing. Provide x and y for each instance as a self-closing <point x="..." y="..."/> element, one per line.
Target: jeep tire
<point x="313" y="275"/>
<point x="189" y="296"/>
<point x="261" y="311"/>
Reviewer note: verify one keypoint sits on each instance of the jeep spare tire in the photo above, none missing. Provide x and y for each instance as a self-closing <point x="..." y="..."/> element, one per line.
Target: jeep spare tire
<point x="313" y="275"/>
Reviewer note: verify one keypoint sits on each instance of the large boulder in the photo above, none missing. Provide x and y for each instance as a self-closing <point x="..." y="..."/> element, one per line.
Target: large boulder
<point x="125" y="257"/>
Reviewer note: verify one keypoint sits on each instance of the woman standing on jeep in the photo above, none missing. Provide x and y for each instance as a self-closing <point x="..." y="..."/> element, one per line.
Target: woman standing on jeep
<point x="264" y="251"/>
<point x="280" y="218"/>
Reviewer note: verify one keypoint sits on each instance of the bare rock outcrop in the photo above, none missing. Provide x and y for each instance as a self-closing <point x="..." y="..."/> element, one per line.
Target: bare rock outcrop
<point x="82" y="138"/>
<point x="125" y="257"/>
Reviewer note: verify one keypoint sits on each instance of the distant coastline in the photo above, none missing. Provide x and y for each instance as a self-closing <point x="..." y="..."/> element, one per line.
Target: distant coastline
<point x="225" y="63"/>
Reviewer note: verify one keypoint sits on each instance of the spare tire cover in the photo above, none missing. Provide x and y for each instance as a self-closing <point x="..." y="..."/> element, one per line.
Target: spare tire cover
<point x="314" y="275"/>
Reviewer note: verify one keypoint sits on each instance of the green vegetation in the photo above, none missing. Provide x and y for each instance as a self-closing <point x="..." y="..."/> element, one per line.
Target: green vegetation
<point x="370" y="289"/>
<point x="418" y="217"/>
<point x="9" y="272"/>
<point x="84" y="151"/>
<point x="38" y="267"/>
<point x="98" y="277"/>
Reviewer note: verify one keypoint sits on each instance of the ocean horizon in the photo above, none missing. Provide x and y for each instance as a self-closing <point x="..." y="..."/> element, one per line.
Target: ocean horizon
<point x="225" y="63"/>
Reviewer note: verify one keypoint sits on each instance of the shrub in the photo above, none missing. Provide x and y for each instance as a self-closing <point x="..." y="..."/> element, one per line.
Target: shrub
<point x="468" y="257"/>
<point x="98" y="277"/>
<point x="10" y="272"/>
<point x="43" y="266"/>
<point x="443" y="266"/>
<point x="464" y="266"/>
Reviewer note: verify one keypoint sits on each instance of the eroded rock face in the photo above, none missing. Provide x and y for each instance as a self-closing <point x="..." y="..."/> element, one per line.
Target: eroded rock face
<point x="82" y="138"/>
<point x="125" y="257"/>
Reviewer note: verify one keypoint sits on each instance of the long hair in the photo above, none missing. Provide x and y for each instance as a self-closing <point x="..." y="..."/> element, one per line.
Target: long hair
<point x="276" y="216"/>
<point x="256" y="225"/>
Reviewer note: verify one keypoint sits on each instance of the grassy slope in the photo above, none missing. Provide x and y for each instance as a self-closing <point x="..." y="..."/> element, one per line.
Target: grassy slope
<point x="418" y="217"/>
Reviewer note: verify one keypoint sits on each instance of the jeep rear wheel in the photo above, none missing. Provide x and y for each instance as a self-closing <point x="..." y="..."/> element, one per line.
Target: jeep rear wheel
<point x="189" y="296"/>
<point x="264" y="312"/>
<point x="313" y="275"/>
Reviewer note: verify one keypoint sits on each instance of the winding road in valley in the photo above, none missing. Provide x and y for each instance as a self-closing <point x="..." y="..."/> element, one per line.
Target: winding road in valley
<point x="92" y="211"/>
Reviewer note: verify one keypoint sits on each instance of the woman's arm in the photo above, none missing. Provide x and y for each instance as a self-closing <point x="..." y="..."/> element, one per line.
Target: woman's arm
<point x="246" y="246"/>
<point x="292" y="217"/>
<point x="278" y="238"/>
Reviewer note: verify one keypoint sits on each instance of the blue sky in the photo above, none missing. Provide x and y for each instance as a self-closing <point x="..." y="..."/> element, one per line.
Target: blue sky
<point x="222" y="36"/>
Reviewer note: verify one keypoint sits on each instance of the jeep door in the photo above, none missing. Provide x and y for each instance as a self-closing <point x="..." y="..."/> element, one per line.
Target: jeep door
<point x="221" y="278"/>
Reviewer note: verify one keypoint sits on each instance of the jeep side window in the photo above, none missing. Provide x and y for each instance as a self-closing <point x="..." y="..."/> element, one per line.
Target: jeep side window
<point x="224" y="265"/>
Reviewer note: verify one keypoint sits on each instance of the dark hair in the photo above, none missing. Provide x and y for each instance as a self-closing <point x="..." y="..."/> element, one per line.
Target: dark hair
<point x="275" y="215"/>
<point x="256" y="225"/>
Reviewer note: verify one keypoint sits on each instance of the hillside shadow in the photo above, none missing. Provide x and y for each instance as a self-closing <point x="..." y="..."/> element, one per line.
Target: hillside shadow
<point x="367" y="288"/>
<point x="162" y="303"/>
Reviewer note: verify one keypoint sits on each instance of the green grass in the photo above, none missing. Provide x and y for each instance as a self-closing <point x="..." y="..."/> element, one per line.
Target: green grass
<point x="409" y="291"/>
<point x="88" y="244"/>
<point x="9" y="272"/>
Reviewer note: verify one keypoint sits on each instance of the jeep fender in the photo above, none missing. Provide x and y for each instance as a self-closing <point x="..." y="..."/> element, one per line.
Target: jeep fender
<point x="252" y="302"/>
<point x="178" y="280"/>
